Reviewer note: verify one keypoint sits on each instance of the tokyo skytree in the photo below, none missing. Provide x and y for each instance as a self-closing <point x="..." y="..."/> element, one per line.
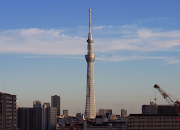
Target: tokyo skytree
<point x="90" y="110"/>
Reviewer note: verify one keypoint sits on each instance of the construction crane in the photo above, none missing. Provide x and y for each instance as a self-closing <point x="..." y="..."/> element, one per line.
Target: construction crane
<point x="169" y="98"/>
<point x="73" y="127"/>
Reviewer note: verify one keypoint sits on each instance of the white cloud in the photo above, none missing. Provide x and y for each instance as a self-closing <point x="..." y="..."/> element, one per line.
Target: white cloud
<point x="128" y="26"/>
<point x="81" y="27"/>
<point x="168" y="60"/>
<point x="72" y="41"/>
<point x="36" y="41"/>
<point x="98" y="27"/>
<point x="147" y="33"/>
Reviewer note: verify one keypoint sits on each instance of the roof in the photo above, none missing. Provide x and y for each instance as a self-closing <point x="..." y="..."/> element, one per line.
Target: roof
<point x="153" y="115"/>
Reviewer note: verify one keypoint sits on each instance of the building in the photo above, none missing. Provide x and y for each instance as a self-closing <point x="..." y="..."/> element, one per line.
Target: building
<point x="35" y="116"/>
<point x="52" y="118"/>
<point x="44" y="116"/>
<point x="99" y="125"/>
<point x="154" y="122"/>
<point x="149" y="109"/>
<point x="112" y="117"/>
<point x="49" y="117"/>
<point x="56" y="102"/>
<point x="166" y="109"/>
<point x="105" y="112"/>
<point x="65" y="113"/>
<point x="30" y="118"/>
<point x="36" y="104"/>
<point x="79" y="116"/>
<point x="14" y="128"/>
<point x="123" y="112"/>
<point x="7" y="111"/>
<point x="23" y="118"/>
<point x="90" y="107"/>
<point x="158" y="109"/>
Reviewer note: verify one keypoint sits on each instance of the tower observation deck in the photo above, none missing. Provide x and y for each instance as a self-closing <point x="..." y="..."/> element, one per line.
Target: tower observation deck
<point x="90" y="108"/>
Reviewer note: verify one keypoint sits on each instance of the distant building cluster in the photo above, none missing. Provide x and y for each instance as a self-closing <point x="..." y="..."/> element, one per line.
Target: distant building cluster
<point x="48" y="117"/>
<point x="40" y="117"/>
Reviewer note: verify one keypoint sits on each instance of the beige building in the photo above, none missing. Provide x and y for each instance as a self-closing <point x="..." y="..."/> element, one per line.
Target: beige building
<point x="7" y="110"/>
<point x="52" y="118"/>
<point x="65" y="113"/>
<point x="123" y="112"/>
<point x="154" y="122"/>
<point x="104" y="111"/>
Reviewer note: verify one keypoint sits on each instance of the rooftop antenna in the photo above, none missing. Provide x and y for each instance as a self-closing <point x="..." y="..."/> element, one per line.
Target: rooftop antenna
<point x="89" y="20"/>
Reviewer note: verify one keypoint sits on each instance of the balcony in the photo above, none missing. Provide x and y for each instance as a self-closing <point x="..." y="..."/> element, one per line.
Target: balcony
<point x="8" y="101"/>
<point x="8" y="97"/>
<point x="8" y="105"/>
<point x="8" y="117"/>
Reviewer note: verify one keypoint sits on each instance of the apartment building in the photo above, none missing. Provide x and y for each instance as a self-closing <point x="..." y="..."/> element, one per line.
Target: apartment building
<point x="154" y="122"/>
<point x="7" y="110"/>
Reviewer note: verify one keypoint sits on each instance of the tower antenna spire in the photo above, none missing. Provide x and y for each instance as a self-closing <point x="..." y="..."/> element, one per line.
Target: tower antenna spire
<point x="89" y="20"/>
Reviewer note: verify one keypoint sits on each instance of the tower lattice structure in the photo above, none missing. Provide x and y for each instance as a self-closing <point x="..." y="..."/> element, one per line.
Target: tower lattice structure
<point x="90" y="109"/>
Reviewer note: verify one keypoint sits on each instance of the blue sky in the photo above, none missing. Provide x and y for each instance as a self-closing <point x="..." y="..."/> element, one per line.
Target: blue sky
<point x="136" y="43"/>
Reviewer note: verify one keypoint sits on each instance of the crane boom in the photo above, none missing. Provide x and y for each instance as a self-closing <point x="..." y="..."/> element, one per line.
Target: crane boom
<point x="168" y="98"/>
<point x="165" y="95"/>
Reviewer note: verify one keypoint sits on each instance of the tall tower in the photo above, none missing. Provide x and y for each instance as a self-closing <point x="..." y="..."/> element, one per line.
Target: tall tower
<point x="56" y="102"/>
<point x="90" y="110"/>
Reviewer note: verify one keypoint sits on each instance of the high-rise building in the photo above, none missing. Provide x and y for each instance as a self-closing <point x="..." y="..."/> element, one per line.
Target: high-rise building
<point x="52" y="118"/>
<point x="65" y="113"/>
<point x="23" y="118"/>
<point x="123" y="112"/>
<point x="30" y="118"/>
<point x="90" y="107"/>
<point x="7" y="110"/>
<point x="56" y="102"/>
<point x="45" y="116"/>
<point x="35" y="118"/>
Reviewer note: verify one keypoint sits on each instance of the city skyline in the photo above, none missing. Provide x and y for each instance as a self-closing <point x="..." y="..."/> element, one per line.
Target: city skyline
<point x="136" y="43"/>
